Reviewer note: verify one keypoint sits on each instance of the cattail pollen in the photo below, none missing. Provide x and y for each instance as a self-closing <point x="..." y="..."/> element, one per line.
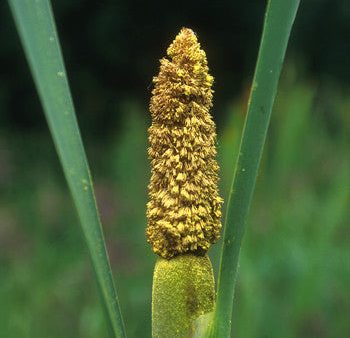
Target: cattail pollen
<point x="184" y="207"/>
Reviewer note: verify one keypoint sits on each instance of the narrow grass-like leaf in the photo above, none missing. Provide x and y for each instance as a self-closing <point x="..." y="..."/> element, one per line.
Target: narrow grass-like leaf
<point x="279" y="18"/>
<point x="35" y="23"/>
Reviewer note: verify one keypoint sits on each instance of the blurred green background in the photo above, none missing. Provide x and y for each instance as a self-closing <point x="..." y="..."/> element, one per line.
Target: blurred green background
<point x="294" y="278"/>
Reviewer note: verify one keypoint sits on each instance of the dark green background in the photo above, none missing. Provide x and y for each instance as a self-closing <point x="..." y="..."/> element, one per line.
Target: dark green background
<point x="295" y="266"/>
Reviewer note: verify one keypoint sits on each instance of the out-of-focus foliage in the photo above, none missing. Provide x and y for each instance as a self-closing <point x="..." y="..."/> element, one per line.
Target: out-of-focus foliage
<point x="111" y="49"/>
<point x="294" y="272"/>
<point x="294" y="275"/>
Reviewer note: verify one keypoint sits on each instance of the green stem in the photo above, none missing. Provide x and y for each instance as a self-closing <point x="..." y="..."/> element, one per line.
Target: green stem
<point x="183" y="292"/>
<point x="37" y="30"/>
<point x="280" y="15"/>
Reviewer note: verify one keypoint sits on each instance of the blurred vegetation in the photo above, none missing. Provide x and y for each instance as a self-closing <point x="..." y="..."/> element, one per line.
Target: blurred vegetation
<point x="111" y="50"/>
<point x="295" y="270"/>
<point x="295" y="273"/>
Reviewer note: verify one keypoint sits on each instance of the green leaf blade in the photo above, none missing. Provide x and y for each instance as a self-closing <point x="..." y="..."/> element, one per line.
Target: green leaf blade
<point x="35" y="23"/>
<point x="279" y="18"/>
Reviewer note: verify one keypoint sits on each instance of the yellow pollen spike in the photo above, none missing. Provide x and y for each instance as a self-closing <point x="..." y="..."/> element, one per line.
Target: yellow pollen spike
<point x="182" y="151"/>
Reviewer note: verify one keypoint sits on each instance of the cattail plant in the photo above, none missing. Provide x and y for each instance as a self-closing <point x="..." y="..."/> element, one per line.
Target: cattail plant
<point x="184" y="209"/>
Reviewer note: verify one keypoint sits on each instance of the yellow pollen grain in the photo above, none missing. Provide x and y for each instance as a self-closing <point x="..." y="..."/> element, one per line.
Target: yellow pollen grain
<point x="184" y="208"/>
